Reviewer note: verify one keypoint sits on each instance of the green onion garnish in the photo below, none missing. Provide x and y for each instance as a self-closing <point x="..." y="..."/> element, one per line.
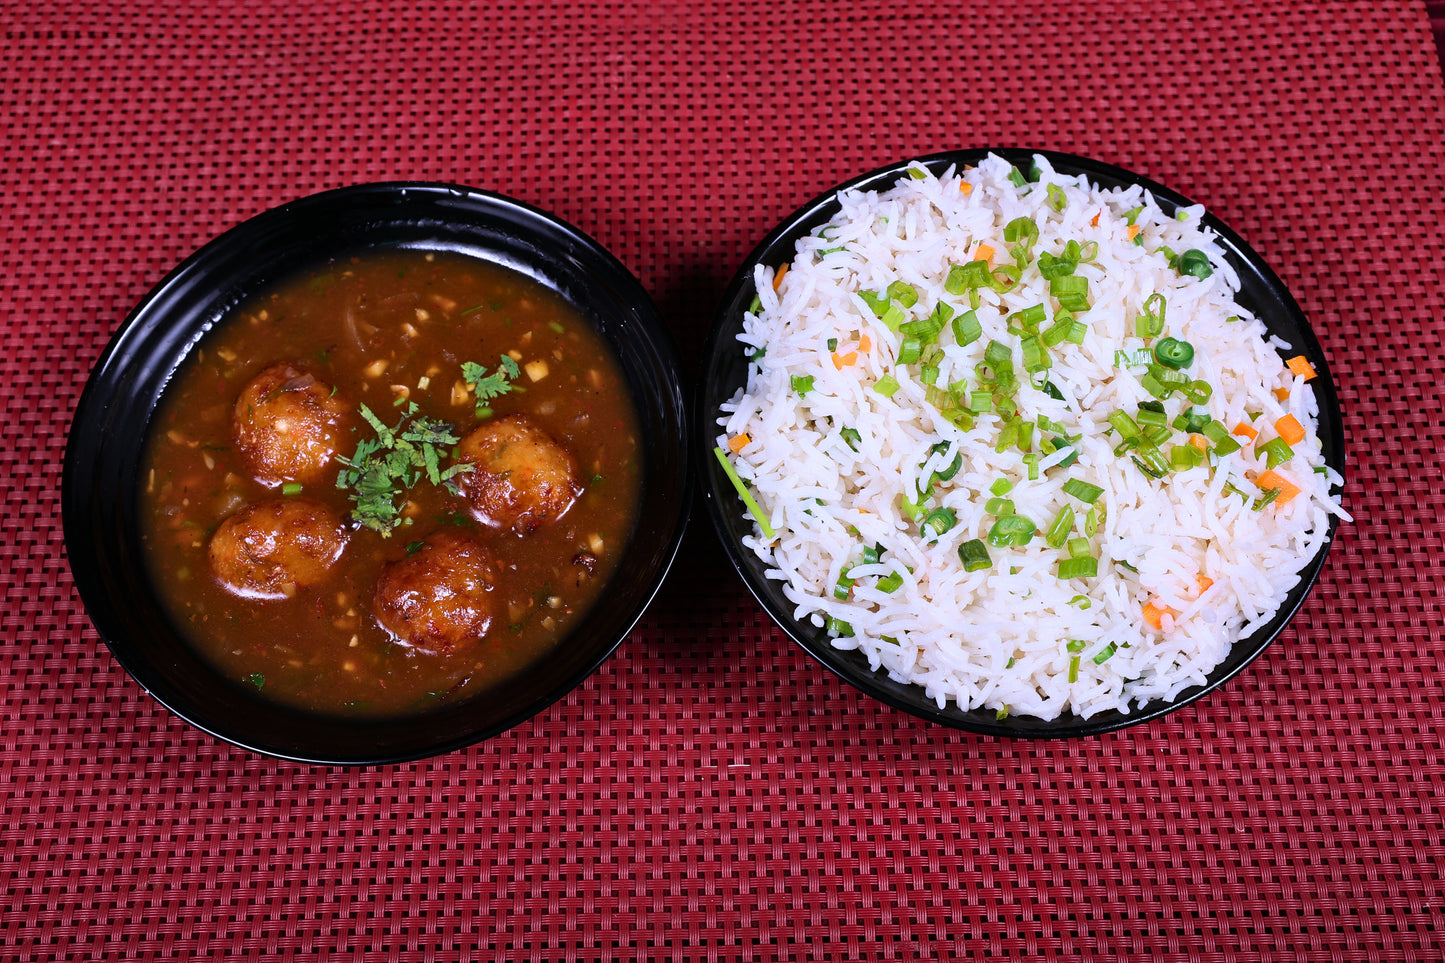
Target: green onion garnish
<point x="1074" y="669"/>
<point x="890" y="583"/>
<point x="1082" y="490"/>
<point x="838" y="628"/>
<point x="886" y="386"/>
<point x="1104" y="654"/>
<point x="852" y="437"/>
<point x="974" y="555"/>
<point x="966" y="329"/>
<point x="1058" y="532"/>
<point x="999" y="506"/>
<point x="1198" y="392"/>
<point x="1011" y="530"/>
<point x="1276" y="452"/>
<point x="1001" y="486"/>
<point x="1150" y="324"/>
<point x="1071" y="291"/>
<point x="1085" y="567"/>
<point x="753" y="508"/>
<point x="937" y="522"/>
<point x="292" y="488"/>
<point x="802" y="384"/>
<point x="903" y="293"/>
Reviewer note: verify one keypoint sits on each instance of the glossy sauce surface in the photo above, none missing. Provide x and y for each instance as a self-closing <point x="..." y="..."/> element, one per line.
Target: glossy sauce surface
<point x="278" y="388"/>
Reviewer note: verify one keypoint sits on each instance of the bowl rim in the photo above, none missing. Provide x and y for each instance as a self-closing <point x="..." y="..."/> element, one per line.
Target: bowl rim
<point x="427" y="205"/>
<point x="725" y="508"/>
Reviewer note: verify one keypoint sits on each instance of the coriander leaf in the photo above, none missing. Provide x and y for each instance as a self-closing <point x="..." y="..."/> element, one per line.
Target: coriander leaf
<point x="383" y="468"/>
<point x="489" y="386"/>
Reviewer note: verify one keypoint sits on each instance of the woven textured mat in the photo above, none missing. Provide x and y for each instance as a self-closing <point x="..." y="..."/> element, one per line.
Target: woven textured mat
<point x="711" y="793"/>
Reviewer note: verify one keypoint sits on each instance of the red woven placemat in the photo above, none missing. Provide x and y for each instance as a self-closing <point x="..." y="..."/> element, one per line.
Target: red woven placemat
<point x="711" y="793"/>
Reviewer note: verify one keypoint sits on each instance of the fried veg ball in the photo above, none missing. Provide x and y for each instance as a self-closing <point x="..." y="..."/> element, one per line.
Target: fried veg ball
<point x="271" y="549"/>
<point x="521" y="478"/>
<point x="438" y="599"/>
<point x="287" y="425"/>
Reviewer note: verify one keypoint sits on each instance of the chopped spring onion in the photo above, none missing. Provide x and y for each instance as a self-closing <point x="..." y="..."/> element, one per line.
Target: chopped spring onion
<point x="953" y="468"/>
<point x="1035" y="358"/>
<point x="1001" y="486"/>
<point x="966" y="329"/>
<point x="838" y="628"/>
<point x="872" y="554"/>
<point x="292" y="488"/>
<point x="1079" y="547"/>
<point x="999" y="506"/>
<point x="974" y="555"/>
<point x="1074" y="669"/>
<point x="890" y="583"/>
<point x="1085" y="567"/>
<point x="1126" y="427"/>
<point x="802" y="384"/>
<point x="1082" y="490"/>
<point x="1150" y="324"/>
<point x="843" y="587"/>
<point x="1071" y="291"/>
<point x="937" y="522"/>
<point x="966" y="277"/>
<point x="1058" y="532"/>
<point x="910" y="350"/>
<point x="1198" y="392"/>
<point x="852" y="437"/>
<point x="1151" y="414"/>
<point x="1191" y="420"/>
<point x="1011" y="530"/>
<point x="1276" y="452"/>
<point x="754" y="509"/>
<point x="1104" y="654"/>
<point x="887" y="386"/>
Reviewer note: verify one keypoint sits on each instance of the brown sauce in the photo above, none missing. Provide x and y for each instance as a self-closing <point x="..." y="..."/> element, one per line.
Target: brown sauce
<point x="242" y="515"/>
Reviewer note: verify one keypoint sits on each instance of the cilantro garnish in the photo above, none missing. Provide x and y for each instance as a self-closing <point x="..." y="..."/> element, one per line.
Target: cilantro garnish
<point x="489" y="386"/>
<point x="386" y="466"/>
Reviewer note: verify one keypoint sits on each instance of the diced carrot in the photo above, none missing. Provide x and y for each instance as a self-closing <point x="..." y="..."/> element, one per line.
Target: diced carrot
<point x="778" y="278"/>
<point x="739" y="441"/>
<point x="984" y="253"/>
<point x="863" y="343"/>
<point x="1133" y="231"/>
<point x="1200" y="442"/>
<point x="1095" y="221"/>
<point x="1154" y="613"/>
<point x="1245" y="431"/>
<point x="1290" y="430"/>
<point x="1271" y="479"/>
<point x="1301" y="367"/>
<point x="1282" y="394"/>
<point x="965" y="187"/>
<point x="841" y="361"/>
<point x="1205" y="583"/>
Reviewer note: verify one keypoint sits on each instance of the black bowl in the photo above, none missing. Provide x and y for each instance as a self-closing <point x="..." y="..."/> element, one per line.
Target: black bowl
<point x="104" y="448"/>
<point x="725" y="371"/>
